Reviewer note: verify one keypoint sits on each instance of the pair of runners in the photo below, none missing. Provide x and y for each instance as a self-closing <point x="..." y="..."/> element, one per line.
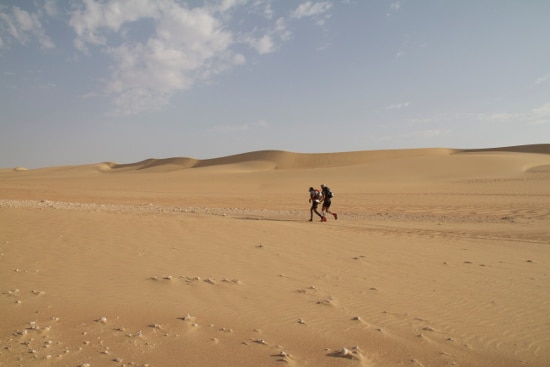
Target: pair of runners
<point x="317" y="196"/>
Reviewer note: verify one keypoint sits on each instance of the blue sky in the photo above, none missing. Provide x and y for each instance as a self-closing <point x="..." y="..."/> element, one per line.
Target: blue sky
<point x="125" y="80"/>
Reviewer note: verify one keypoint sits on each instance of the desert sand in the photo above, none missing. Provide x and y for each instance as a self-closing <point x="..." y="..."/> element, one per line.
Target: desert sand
<point x="439" y="257"/>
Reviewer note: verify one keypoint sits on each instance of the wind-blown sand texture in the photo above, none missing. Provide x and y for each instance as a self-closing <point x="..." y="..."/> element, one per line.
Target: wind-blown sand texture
<point x="439" y="257"/>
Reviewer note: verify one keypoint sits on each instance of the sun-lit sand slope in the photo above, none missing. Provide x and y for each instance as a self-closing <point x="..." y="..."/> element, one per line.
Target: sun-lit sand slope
<point x="439" y="257"/>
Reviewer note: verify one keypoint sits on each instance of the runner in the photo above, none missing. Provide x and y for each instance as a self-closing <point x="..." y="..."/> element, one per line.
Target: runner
<point x="315" y="197"/>
<point x="327" y="201"/>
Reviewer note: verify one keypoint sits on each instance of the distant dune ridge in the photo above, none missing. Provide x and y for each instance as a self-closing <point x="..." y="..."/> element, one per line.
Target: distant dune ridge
<point x="279" y="159"/>
<point x="438" y="257"/>
<point x="533" y="148"/>
<point x="289" y="160"/>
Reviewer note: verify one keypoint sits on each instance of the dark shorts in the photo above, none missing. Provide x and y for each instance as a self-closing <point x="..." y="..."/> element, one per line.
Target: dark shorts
<point x="326" y="204"/>
<point x="314" y="204"/>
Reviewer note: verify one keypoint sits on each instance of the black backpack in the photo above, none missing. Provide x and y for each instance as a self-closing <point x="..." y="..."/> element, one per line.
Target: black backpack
<point x="328" y="193"/>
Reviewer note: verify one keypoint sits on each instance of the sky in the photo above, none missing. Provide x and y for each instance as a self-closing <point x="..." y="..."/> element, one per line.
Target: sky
<point x="91" y="81"/>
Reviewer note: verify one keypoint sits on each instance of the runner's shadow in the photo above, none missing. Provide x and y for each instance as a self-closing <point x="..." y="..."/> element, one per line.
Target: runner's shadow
<point x="272" y="219"/>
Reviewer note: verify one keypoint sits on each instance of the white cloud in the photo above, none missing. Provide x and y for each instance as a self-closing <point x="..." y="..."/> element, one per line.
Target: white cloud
<point x="267" y="10"/>
<point x="398" y="106"/>
<point x="535" y="116"/>
<point x="228" y="4"/>
<point x="158" y="48"/>
<point x="137" y="99"/>
<point x="281" y="29"/>
<point x="543" y="79"/>
<point x="395" y="6"/>
<point x="50" y="6"/>
<point x="184" y="46"/>
<point x="90" y="22"/>
<point x="238" y="59"/>
<point x="311" y="9"/>
<point x="267" y="42"/>
<point x="324" y="46"/>
<point x="263" y="45"/>
<point x="500" y="116"/>
<point x="22" y="26"/>
<point x="540" y="115"/>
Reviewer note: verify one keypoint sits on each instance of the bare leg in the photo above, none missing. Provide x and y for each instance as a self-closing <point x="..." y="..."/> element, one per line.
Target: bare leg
<point x="313" y="209"/>
<point x="326" y="210"/>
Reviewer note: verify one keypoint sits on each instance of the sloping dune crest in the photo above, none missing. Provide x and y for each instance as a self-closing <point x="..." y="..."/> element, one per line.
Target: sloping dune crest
<point x="278" y="159"/>
<point x="282" y="160"/>
<point x="174" y="163"/>
<point x="533" y="148"/>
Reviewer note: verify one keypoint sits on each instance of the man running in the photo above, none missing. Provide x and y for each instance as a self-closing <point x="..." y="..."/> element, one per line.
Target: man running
<point x="315" y="198"/>
<point x="327" y="196"/>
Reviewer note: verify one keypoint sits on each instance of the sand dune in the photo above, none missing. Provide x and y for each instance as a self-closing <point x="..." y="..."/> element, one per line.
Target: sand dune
<point x="439" y="257"/>
<point x="533" y="148"/>
<point x="288" y="160"/>
<point x="278" y="159"/>
<point x="171" y="163"/>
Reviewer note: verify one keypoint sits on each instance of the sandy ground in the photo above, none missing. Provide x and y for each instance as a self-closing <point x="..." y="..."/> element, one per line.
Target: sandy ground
<point x="439" y="257"/>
